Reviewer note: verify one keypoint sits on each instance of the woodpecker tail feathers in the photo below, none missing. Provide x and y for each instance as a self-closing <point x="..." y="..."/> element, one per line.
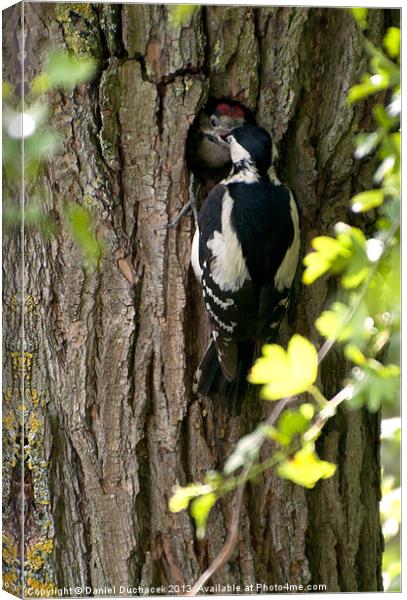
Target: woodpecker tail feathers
<point x="239" y="387"/>
<point x="208" y="376"/>
<point x="209" y="379"/>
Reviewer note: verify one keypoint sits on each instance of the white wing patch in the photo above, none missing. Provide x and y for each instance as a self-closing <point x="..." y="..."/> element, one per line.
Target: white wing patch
<point x="228" y="267"/>
<point x="286" y="271"/>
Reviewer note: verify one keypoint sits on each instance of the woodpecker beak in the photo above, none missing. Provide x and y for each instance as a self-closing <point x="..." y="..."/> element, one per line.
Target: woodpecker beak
<point x="224" y="134"/>
<point x="220" y="137"/>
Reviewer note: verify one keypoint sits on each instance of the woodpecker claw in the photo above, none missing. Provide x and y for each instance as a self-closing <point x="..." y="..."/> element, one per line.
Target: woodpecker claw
<point x="194" y="212"/>
<point x="182" y="213"/>
<point x="190" y="206"/>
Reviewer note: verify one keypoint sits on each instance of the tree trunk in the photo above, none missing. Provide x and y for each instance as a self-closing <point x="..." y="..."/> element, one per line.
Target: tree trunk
<point x="111" y="421"/>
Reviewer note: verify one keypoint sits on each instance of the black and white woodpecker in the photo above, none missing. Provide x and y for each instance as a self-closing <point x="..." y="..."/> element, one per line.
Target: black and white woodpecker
<point x="207" y="151"/>
<point x="244" y="254"/>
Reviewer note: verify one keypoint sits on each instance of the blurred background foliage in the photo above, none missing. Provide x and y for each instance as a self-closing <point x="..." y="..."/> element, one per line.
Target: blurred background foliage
<point x="390" y="506"/>
<point x="29" y="140"/>
<point x="385" y="75"/>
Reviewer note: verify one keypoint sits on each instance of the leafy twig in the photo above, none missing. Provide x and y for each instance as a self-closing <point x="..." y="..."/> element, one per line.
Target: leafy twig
<point x="326" y="347"/>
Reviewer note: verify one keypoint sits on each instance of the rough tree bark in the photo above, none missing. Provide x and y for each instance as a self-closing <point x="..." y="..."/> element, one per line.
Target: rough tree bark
<point x="112" y="423"/>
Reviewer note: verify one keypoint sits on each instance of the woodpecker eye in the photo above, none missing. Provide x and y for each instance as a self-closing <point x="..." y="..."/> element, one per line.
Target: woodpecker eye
<point x="214" y="121"/>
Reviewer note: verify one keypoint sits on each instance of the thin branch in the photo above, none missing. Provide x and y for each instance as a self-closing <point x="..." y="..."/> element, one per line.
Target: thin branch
<point x="327" y="412"/>
<point x="229" y="545"/>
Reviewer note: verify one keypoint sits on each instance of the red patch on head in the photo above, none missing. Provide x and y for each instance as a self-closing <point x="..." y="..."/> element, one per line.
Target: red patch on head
<point x="230" y="110"/>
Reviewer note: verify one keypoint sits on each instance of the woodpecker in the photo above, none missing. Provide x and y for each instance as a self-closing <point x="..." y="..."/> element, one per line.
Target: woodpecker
<point x="207" y="152"/>
<point x="244" y="254"/>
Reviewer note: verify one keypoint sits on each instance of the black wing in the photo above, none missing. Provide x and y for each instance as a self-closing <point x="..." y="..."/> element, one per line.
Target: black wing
<point x="210" y="220"/>
<point x="266" y="220"/>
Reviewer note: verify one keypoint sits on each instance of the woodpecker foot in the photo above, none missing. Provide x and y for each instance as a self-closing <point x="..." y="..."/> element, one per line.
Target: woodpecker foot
<point x="185" y="210"/>
<point x="191" y="206"/>
<point x="194" y="210"/>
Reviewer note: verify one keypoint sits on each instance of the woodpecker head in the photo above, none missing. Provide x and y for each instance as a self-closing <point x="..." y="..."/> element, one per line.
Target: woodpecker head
<point x="216" y="122"/>
<point x="251" y="145"/>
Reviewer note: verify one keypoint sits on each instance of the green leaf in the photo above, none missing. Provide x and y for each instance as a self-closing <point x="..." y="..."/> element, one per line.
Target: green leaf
<point x="67" y="71"/>
<point x="286" y="373"/>
<point x="367" y="200"/>
<point x="182" y="496"/>
<point x="380" y="64"/>
<point x="370" y="85"/>
<point x="347" y="322"/>
<point x="306" y="468"/>
<point x="181" y="14"/>
<point x="40" y="84"/>
<point x="357" y="269"/>
<point x="354" y="354"/>
<point x="331" y="248"/>
<point x="7" y="91"/>
<point x="391" y="42"/>
<point x="328" y="252"/>
<point x="11" y="157"/>
<point x="293" y="423"/>
<point x="40" y="146"/>
<point x="39" y="112"/>
<point x="382" y="117"/>
<point x="80" y="227"/>
<point x="385" y="168"/>
<point x="316" y="266"/>
<point x="375" y="384"/>
<point x="383" y="295"/>
<point x="200" y="508"/>
<point x="346" y="253"/>
<point x="366" y="143"/>
<point x="355" y="275"/>
<point x="330" y="322"/>
<point x="34" y="216"/>
<point x="360" y="15"/>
